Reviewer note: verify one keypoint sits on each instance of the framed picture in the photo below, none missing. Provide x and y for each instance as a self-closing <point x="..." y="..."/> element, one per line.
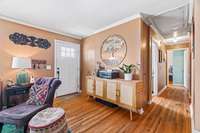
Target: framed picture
<point x="160" y="54"/>
<point x="39" y="64"/>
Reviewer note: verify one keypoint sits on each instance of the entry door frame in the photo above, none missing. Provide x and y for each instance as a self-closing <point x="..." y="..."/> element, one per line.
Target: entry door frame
<point x="186" y="72"/>
<point x="154" y="82"/>
<point x="55" y="61"/>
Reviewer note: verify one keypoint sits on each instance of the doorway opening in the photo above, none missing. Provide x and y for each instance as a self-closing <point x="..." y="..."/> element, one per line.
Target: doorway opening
<point x="178" y="67"/>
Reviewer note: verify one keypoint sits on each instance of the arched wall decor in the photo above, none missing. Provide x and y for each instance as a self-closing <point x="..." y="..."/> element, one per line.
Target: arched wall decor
<point x="113" y="50"/>
<point x="21" y="39"/>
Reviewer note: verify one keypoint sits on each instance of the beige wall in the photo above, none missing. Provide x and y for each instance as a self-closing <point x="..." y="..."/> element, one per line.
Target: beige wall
<point x="136" y="37"/>
<point x="8" y="49"/>
<point x="196" y="61"/>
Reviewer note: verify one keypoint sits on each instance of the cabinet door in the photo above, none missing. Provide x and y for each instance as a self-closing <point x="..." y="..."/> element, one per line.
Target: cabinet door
<point x="99" y="88"/>
<point x="90" y="86"/>
<point x="126" y="94"/>
<point x="111" y="91"/>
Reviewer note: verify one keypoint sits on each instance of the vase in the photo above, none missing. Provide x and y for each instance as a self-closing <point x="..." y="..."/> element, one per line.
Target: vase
<point x="128" y="76"/>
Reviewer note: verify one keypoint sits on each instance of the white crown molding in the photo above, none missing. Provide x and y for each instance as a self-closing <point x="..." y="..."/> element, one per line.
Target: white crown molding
<point x="125" y="20"/>
<point x="39" y="27"/>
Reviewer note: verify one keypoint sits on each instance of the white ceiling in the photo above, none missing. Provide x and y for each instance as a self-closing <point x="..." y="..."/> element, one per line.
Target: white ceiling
<point x="80" y="18"/>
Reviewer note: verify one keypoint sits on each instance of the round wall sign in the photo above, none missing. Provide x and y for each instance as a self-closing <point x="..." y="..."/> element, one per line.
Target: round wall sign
<point x="113" y="50"/>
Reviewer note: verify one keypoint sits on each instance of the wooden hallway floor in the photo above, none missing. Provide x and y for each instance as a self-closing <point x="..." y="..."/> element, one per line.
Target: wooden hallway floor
<point x="169" y="113"/>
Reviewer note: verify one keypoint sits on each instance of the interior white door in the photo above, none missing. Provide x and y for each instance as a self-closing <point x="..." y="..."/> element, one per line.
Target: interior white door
<point x="154" y="68"/>
<point x="178" y="67"/>
<point x="67" y="67"/>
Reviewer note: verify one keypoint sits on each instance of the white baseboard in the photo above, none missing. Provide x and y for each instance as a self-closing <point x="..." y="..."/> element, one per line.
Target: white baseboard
<point x="192" y="118"/>
<point x="162" y="90"/>
<point x="195" y="131"/>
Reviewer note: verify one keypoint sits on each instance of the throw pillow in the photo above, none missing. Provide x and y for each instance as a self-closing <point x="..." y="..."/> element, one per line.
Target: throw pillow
<point x="38" y="95"/>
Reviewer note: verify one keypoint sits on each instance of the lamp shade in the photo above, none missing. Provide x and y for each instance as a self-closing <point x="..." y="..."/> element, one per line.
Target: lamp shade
<point x="20" y="62"/>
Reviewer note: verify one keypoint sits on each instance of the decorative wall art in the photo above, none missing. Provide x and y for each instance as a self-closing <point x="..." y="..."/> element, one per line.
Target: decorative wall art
<point x="21" y="39"/>
<point x="160" y="56"/>
<point x="113" y="50"/>
<point x="39" y="64"/>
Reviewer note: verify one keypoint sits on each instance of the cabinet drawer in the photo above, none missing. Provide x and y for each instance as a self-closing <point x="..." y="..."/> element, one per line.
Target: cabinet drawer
<point x="99" y="88"/>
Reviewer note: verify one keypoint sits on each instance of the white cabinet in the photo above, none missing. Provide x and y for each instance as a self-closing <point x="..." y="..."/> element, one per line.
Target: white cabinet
<point x="126" y="94"/>
<point x="99" y="88"/>
<point x="111" y="90"/>
<point x="90" y="86"/>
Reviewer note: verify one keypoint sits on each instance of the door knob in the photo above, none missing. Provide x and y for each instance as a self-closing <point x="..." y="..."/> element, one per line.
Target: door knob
<point x="58" y="72"/>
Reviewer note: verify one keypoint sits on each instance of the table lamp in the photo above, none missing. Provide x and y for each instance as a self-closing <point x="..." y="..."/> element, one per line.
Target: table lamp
<point x="22" y="77"/>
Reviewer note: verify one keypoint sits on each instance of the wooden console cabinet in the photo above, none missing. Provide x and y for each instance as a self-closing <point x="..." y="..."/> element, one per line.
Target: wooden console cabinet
<point x="126" y="94"/>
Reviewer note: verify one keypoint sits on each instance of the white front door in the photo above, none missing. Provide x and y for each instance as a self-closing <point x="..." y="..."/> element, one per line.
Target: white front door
<point x="67" y="67"/>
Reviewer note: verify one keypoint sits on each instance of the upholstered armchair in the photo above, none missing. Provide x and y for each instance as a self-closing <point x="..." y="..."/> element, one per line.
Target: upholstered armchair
<point x="21" y="114"/>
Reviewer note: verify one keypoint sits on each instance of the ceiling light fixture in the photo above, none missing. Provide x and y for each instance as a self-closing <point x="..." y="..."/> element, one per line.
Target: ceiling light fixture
<point x="175" y="34"/>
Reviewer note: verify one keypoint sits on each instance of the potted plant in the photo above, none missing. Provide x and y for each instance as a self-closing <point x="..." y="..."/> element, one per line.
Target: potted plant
<point x="127" y="69"/>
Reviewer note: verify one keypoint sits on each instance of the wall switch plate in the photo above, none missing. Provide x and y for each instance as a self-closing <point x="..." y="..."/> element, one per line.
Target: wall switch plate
<point x="48" y="67"/>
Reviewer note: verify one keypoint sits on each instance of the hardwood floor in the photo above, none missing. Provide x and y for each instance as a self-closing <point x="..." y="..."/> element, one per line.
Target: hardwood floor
<point x="169" y="113"/>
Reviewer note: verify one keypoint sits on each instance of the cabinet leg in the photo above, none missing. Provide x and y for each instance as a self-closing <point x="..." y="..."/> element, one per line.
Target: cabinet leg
<point x="141" y="111"/>
<point x="88" y="97"/>
<point x="131" y="114"/>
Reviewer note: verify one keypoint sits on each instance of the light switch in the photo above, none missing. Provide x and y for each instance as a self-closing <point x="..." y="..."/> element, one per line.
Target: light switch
<point x="48" y="67"/>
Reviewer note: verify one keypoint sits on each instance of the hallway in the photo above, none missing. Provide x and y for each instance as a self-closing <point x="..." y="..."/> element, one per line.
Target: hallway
<point x="169" y="113"/>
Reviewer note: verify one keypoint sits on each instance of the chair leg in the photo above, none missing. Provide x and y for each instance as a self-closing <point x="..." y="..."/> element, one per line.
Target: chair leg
<point x="1" y="126"/>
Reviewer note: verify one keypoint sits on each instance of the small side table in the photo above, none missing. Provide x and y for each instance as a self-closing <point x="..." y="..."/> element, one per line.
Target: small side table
<point x="14" y="91"/>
